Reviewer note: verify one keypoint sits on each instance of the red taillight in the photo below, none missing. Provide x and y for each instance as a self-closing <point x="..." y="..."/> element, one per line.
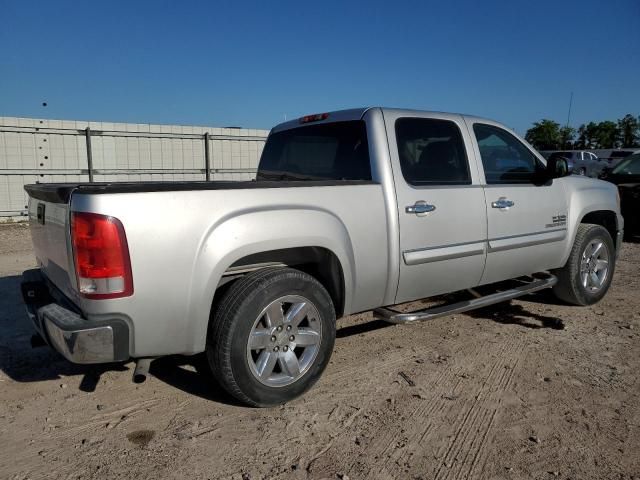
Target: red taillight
<point x="314" y="118"/>
<point x="101" y="256"/>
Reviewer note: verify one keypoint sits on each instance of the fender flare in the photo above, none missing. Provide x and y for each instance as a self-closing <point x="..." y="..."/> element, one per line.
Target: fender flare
<point x="248" y="232"/>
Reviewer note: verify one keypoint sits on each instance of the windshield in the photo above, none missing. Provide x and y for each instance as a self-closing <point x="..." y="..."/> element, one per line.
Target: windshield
<point x="331" y="151"/>
<point x="628" y="166"/>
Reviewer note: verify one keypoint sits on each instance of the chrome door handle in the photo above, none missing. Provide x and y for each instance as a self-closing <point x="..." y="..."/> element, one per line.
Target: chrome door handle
<point x="420" y="208"/>
<point x="502" y="202"/>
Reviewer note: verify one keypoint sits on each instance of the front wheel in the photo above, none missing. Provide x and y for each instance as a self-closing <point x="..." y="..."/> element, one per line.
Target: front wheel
<point x="271" y="336"/>
<point x="587" y="275"/>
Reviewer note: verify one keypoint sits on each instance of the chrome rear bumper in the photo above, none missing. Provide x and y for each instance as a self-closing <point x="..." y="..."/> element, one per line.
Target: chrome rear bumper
<point x="79" y="340"/>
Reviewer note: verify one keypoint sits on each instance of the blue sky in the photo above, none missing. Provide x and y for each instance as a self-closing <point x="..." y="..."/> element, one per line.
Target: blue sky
<point x="250" y="64"/>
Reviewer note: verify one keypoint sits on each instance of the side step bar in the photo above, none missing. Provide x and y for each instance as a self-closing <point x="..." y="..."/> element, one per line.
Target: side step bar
<point x="393" y="316"/>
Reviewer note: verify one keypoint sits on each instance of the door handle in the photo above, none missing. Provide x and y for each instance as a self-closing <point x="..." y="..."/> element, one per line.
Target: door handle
<point x="502" y="202"/>
<point x="420" y="208"/>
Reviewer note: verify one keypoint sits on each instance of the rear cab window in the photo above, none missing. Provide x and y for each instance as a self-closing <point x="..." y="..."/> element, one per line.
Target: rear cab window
<point x="431" y="152"/>
<point x="329" y="151"/>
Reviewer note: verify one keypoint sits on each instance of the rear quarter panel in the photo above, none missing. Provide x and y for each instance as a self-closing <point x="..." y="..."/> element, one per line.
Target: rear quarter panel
<point x="182" y="242"/>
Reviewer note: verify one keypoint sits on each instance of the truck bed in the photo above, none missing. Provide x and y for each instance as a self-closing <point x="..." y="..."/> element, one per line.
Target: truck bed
<point x="183" y="236"/>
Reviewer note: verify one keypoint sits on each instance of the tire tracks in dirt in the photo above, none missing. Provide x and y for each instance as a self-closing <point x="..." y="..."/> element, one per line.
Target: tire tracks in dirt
<point x="466" y="451"/>
<point x="463" y="455"/>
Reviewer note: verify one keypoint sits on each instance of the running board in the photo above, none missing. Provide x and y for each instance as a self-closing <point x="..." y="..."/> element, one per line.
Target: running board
<point x="393" y="316"/>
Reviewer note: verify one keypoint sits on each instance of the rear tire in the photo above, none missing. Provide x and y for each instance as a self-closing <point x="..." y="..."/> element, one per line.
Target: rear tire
<point x="288" y="316"/>
<point x="587" y="275"/>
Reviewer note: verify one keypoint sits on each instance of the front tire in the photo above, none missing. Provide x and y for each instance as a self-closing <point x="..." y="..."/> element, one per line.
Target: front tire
<point x="271" y="336"/>
<point x="586" y="277"/>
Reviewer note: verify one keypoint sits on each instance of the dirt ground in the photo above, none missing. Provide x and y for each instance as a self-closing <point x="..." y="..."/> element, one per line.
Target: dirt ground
<point x="527" y="389"/>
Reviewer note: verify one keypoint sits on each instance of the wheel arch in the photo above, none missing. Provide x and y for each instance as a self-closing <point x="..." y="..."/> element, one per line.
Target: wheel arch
<point x="599" y="216"/>
<point x="313" y="241"/>
<point x="605" y="218"/>
<point x="319" y="262"/>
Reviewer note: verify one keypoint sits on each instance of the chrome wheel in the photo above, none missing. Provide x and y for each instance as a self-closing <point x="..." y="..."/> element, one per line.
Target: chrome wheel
<point x="594" y="265"/>
<point x="284" y="341"/>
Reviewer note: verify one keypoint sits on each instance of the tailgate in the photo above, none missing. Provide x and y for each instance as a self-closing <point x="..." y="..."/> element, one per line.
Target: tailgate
<point x="49" y="225"/>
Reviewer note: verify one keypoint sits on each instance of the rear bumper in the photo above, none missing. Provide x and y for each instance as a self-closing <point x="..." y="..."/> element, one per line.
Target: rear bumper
<point x="60" y="324"/>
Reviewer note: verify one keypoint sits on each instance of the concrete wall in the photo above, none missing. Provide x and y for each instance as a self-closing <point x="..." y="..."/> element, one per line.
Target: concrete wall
<point x="45" y="151"/>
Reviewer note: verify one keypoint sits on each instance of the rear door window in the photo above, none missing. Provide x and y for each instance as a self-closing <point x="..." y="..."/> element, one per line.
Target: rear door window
<point x="332" y="151"/>
<point x="431" y="152"/>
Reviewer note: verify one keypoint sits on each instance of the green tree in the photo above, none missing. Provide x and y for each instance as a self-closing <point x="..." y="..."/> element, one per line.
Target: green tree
<point x="587" y="135"/>
<point x="608" y="135"/>
<point x="566" y="136"/>
<point x="629" y="128"/>
<point x="544" y="135"/>
<point x="549" y="135"/>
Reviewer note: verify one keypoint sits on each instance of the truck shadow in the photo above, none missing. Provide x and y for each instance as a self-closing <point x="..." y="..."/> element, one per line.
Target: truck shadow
<point x="192" y="375"/>
<point x="632" y="238"/>
<point x="18" y="359"/>
<point x="359" y="328"/>
<point x="516" y="314"/>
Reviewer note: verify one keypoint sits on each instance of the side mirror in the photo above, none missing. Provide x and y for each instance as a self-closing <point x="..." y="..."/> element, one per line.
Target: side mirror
<point x="557" y="167"/>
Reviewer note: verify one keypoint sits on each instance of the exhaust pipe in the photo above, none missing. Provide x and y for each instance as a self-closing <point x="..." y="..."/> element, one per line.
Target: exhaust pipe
<point x="142" y="369"/>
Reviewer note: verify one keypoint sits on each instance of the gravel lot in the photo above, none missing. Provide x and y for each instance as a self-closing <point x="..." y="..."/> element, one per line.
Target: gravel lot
<point x="527" y="389"/>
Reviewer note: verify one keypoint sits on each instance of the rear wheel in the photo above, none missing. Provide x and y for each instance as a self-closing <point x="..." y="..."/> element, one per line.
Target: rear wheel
<point x="271" y="336"/>
<point x="583" y="171"/>
<point x="587" y="275"/>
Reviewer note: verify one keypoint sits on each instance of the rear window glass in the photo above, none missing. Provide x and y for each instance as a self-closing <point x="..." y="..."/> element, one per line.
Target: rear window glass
<point x="332" y="151"/>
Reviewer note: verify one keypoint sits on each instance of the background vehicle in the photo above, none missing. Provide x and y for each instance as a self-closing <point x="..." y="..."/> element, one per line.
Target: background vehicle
<point x="351" y="211"/>
<point x="581" y="162"/>
<point x="626" y="175"/>
<point x="616" y="156"/>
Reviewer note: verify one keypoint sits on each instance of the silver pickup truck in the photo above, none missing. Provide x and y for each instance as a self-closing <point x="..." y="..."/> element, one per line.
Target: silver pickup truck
<point x="350" y="211"/>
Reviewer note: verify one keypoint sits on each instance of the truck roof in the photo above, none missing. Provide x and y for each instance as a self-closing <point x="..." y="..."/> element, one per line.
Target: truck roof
<point x="358" y="113"/>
